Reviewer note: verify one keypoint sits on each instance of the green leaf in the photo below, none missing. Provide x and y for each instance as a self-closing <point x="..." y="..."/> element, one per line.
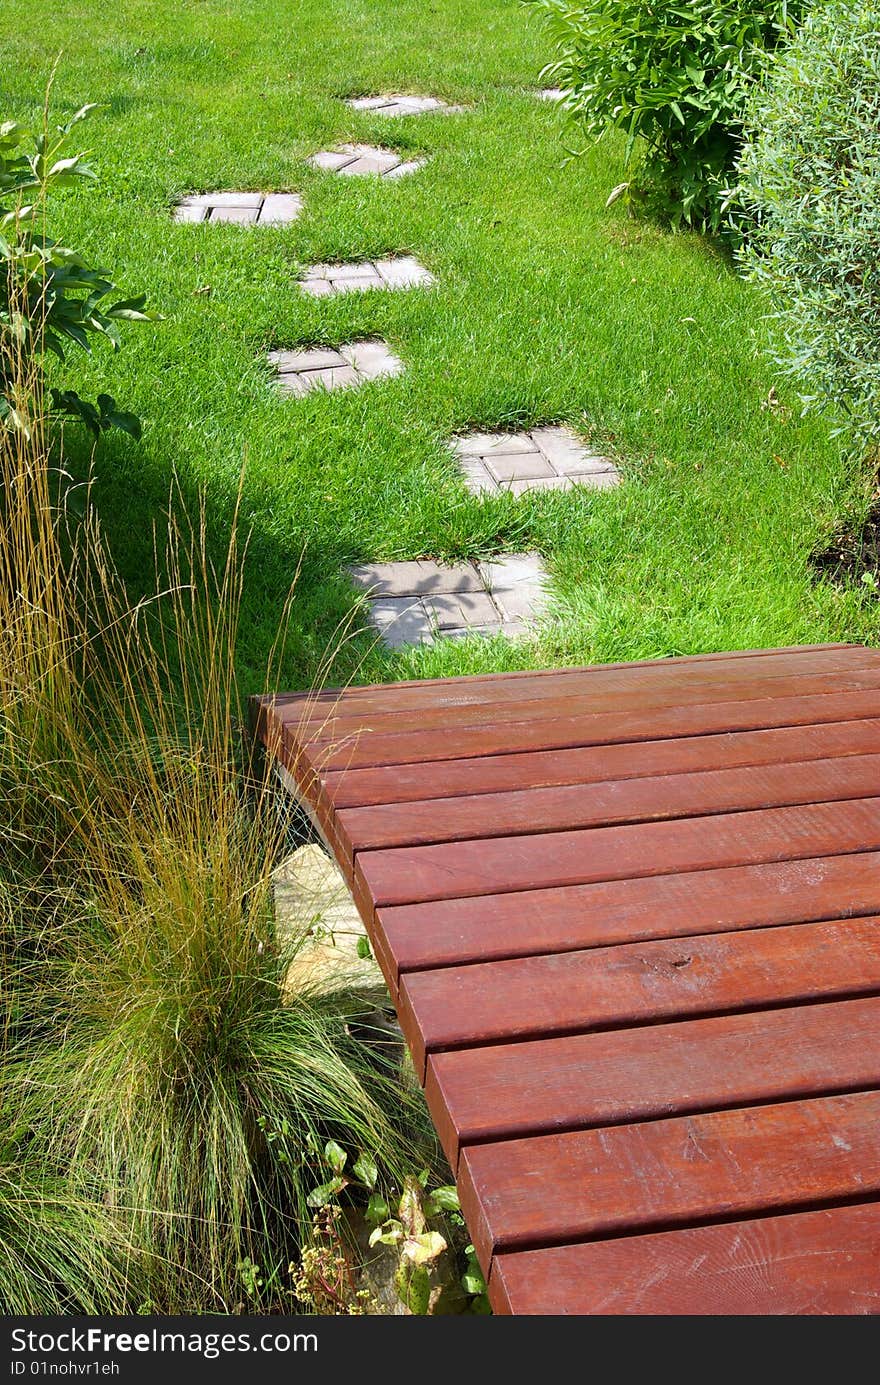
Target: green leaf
<point x="421" y="1250"/>
<point x="443" y="1199"/>
<point x="366" y="1170"/>
<point x="377" y="1210"/>
<point x="335" y="1155"/>
<point x="320" y="1197"/>
<point x="363" y="948"/>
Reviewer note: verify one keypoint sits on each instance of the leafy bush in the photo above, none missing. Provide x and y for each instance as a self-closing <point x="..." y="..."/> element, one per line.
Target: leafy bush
<point x="49" y="295"/>
<point x="674" y="78"/>
<point x="810" y="176"/>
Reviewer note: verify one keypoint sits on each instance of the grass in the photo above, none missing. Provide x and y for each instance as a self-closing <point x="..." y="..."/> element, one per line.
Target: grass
<point x="548" y="307"/>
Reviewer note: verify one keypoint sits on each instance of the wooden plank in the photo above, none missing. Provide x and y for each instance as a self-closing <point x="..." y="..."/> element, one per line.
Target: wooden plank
<point x="542" y="769"/>
<point x="609" y="728"/>
<point x="481" y="687"/>
<point x="597" y="1183"/>
<point x="529" y="811"/>
<point x="340" y="732"/>
<point x="808" y="1263"/>
<point x="534" y="1087"/>
<point x="504" y="864"/>
<point x="494" y="927"/>
<point x="494" y="1002"/>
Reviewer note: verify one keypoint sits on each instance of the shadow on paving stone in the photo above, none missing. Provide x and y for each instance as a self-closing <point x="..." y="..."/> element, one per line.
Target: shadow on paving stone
<point x="312" y="897"/>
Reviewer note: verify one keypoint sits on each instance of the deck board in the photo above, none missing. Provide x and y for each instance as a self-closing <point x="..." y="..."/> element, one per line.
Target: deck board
<point x="630" y="916"/>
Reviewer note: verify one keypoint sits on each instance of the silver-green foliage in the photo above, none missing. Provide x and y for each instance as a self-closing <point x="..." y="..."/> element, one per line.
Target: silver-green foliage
<point x="810" y="176"/>
<point x="674" y="78"/>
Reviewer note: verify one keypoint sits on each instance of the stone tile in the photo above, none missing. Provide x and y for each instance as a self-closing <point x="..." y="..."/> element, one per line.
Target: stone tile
<point x="302" y="369"/>
<point x="546" y="458"/>
<point x="311" y="358"/>
<point x="363" y="160"/>
<point x="242" y="216"/>
<point x="401" y="621"/>
<point x="518" y="466"/>
<point x="404" y="272"/>
<point x="518" y="583"/>
<point x="395" y="272"/>
<point x="404" y="169"/>
<point x="568" y="453"/>
<point x="279" y="208"/>
<point x="372" y="359"/>
<point x="190" y="210"/>
<point x="468" y="609"/>
<point x="336" y="377"/>
<point x="483" y="444"/>
<point x="232" y="199"/>
<point x="265" y="209"/>
<point x="398" y="105"/>
<point x="551" y="94"/>
<point x="420" y="577"/>
<point x="412" y="602"/>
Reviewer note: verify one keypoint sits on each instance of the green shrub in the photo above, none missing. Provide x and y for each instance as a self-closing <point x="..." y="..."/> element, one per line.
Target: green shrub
<point x="49" y="295"/>
<point x="810" y="177"/>
<point x="674" y="78"/>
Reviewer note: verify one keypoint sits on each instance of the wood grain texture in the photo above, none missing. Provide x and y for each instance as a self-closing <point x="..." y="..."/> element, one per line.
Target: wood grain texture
<point x="576" y="725"/>
<point x="539" y="1086"/>
<point x="481" y="687"/>
<point x="492" y="927"/>
<point x="453" y="870"/>
<point x="493" y="1002"/>
<point x="541" y="769"/>
<point x="808" y="1263"/>
<point x="570" y="806"/>
<point x="596" y="1183"/>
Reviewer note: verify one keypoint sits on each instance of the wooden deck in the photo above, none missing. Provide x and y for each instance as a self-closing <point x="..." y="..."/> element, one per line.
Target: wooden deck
<point x="630" y="916"/>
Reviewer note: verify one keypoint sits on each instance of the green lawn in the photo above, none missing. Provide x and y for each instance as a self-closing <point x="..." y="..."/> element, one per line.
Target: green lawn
<point x="548" y="307"/>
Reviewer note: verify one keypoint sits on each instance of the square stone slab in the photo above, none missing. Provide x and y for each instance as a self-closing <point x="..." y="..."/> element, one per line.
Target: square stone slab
<point x="359" y="160"/>
<point x="303" y="369"/>
<point x="242" y="208"/>
<point x="421" y="601"/>
<point x="549" y="458"/>
<point x="401" y="105"/>
<point x="396" y="272"/>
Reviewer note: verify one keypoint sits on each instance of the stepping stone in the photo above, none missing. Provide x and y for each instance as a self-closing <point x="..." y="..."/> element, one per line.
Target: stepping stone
<point x="242" y="208"/>
<point x="311" y="368"/>
<point x="356" y="160"/>
<point x="398" y="272"/>
<point x="552" y="458"/>
<point x="419" y="602"/>
<point x="400" y="105"/>
<point x="551" y="94"/>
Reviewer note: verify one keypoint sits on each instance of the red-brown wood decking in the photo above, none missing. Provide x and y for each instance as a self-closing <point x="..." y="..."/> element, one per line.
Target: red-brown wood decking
<point x="630" y="917"/>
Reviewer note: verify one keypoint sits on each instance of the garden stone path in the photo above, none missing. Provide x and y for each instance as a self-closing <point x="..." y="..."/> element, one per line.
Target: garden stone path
<point x="551" y="94"/>
<point x="400" y="105"/>
<point x="419" y="602"/>
<point x="552" y="458"/>
<point x="304" y="369"/>
<point x="241" y="208"/>
<point x="360" y="160"/>
<point x="399" y="272"/>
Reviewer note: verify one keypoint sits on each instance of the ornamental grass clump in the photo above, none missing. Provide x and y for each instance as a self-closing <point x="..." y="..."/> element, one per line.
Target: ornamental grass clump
<point x="166" y="1088"/>
<point x="810" y="180"/>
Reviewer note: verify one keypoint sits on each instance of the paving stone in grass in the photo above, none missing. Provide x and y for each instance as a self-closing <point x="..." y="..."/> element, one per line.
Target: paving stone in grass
<point x="422" y="601"/>
<point x="303" y="369"/>
<point x="359" y="160"/>
<point x="241" y="208"/>
<point x="551" y="94"/>
<point x="397" y="272"/>
<point x="401" y="105"/>
<point x="551" y="458"/>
